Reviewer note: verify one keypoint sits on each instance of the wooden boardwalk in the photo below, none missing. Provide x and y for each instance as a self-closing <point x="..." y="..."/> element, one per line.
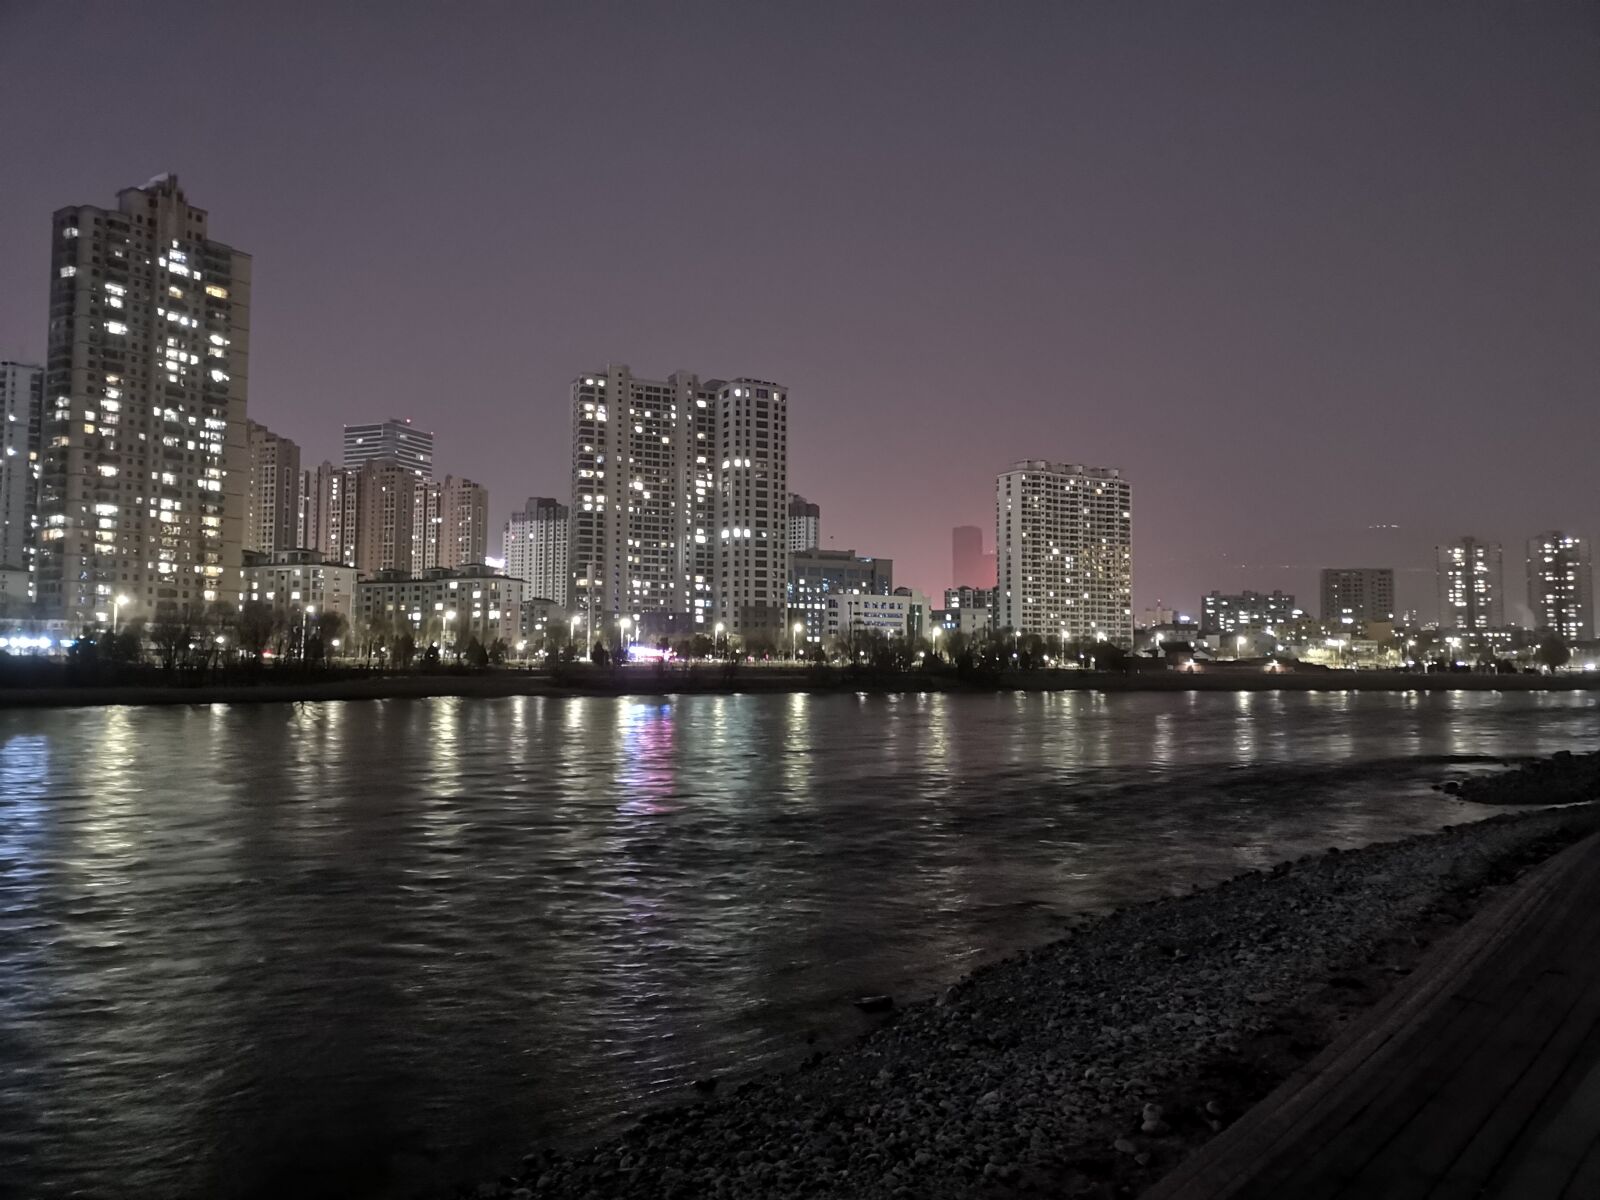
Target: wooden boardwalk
<point x="1479" y="1077"/>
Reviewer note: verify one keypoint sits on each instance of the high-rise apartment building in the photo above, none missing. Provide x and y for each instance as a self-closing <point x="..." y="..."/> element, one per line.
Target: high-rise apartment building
<point x="327" y="508"/>
<point x="451" y="523"/>
<point x="535" y="546"/>
<point x="1471" y="593"/>
<point x="21" y="415"/>
<point x="1561" y="584"/>
<point x="1356" y="595"/>
<point x="272" y="491"/>
<point x="1222" y="612"/>
<point x="642" y="500"/>
<point x="679" y="502"/>
<point x="141" y="488"/>
<point x="752" y="574"/>
<point x="805" y="524"/>
<point x="1064" y="551"/>
<point x="382" y="508"/>
<point x="395" y="440"/>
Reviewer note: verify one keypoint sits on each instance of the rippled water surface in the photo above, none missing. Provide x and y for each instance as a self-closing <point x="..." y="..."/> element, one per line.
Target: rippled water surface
<point x="370" y="949"/>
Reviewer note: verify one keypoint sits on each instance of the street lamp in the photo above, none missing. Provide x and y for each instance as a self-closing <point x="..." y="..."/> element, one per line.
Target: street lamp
<point x="717" y="646"/>
<point x="117" y="602"/>
<point x="306" y="614"/>
<point x="794" y="642"/>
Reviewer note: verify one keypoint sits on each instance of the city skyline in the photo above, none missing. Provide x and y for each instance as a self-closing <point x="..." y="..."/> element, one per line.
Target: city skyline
<point x="1415" y="337"/>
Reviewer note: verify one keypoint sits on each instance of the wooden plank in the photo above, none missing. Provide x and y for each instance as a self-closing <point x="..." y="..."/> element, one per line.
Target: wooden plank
<point x="1367" y="1064"/>
<point x="1585" y="1181"/>
<point x="1410" y="1158"/>
<point x="1417" y="1068"/>
<point x="1531" y="1105"/>
<point x="1488" y="1093"/>
<point x="1560" y="1149"/>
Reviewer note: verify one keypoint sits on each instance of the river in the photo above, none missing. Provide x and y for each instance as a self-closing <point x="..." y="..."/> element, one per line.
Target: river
<point x="370" y="949"/>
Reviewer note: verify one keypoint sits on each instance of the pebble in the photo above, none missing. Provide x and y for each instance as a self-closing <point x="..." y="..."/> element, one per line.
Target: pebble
<point x="1036" y="1064"/>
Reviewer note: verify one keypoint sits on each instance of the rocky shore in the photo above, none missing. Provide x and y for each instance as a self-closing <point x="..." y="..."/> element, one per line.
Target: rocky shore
<point x="1564" y="778"/>
<point x="1087" y="1067"/>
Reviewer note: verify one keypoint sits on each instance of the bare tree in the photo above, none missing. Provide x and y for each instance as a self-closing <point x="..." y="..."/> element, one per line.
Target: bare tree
<point x="258" y="624"/>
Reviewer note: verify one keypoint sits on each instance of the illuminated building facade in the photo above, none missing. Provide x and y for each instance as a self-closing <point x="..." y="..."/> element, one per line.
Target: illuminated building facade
<point x="1246" y="611"/>
<point x="299" y="580"/>
<point x="444" y="605"/>
<point x="1356" y="595"/>
<point x="1469" y="576"/>
<point x="450" y="523"/>
<point x="815" y="575"/>
<point x="679" y="513"/>
<point x="805" y="524"/>
<point x="1561" y="585"/>
<point x="394" y="440"/>
<point x="535" y="545"/>
<point x="272" y="491"/>
<point x="1064" y="552"/>
<point x="142" y="473"/>
<point x="21" y="412"/>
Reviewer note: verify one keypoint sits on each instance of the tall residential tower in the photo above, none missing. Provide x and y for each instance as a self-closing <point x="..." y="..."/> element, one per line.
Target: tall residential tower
<point x="1064" y="551"/>
<point x="679" y="515"/>
<point x="1471" y="595"/>
<point x="805" y="524"/>
<point x="535" y="547"/>
<point x="21" y="411"/>
<point x="272" y="491"/>
<point x="141" y="488"/>
<point x="394" y="440"/>
<point x="1561" y="585"/>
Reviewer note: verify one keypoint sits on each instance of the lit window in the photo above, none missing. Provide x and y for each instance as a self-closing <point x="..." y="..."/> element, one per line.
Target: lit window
<point x="68" y="272"/>
<point x="116" y="327"/>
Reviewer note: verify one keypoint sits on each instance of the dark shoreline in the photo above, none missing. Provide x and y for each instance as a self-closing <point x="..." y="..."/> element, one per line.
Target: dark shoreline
<point x="648" y="681"/>
<point x="1086" y="1067"/>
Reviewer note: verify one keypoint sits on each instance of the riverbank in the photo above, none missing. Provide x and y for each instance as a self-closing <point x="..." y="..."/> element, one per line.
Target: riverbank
<point x="1088" y="1067"/>
<point x="646" y="680"/>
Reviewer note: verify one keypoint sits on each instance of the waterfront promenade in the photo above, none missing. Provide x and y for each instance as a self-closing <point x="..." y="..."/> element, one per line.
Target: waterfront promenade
<point x="1480" y="1077"/>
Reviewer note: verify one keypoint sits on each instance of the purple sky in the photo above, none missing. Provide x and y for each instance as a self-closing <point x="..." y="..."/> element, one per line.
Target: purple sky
<point x="1299" y="270"/>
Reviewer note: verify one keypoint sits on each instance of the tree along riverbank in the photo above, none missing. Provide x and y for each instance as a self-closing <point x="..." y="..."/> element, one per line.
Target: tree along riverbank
<point x="64" y="688"/>
<point x="1087" y="1067"/>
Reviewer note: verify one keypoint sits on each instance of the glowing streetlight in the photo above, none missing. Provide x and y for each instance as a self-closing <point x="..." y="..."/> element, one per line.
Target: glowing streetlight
<point x="117" y="602"/>
<point x="794" y="642"/>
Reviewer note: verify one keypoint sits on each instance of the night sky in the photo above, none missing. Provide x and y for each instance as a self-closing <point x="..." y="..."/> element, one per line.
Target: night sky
<point x="1302" y="271"/>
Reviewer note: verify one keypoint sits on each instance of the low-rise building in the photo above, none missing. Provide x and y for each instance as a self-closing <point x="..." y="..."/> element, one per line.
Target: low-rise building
<point x="443" y="604"/>
<point x="895" y="616"/>
<point x="815" y="575"/>
<point x="1242" y="612"/>
<point x="299" y="580"/>
<point x="542" y="617"/>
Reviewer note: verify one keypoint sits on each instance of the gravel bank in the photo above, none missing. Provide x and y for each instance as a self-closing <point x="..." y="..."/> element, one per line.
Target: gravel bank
<point x="1087" y="1067"/>
<point x="1564" y="778"/>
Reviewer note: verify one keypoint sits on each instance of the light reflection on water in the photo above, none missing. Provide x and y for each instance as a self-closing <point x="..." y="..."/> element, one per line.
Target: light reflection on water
<point x="369" y="949"/>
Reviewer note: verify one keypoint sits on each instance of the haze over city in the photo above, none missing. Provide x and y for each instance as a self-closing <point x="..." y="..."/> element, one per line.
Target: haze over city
<point x="1320" y="282"/>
